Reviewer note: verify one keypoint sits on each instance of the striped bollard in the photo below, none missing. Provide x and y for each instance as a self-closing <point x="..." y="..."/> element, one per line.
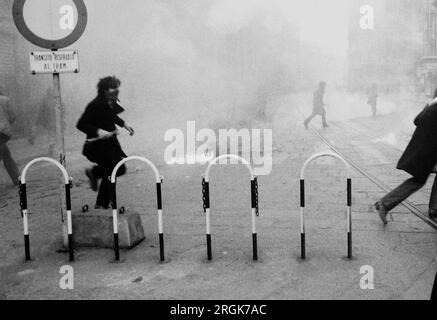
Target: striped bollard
<point x="254" y="203"/>
<point x="302" y="219"/>
<point x="159" y="205"/>
<point x="302" y="202"/>
<point x="255" y="213"/>
<point x="69" y="220"/>
<point x="349" y="218"/>
<point x="160" y="225"/>
<point x="24" y="208"/>
<point x="24" y="215"/>
<point x="206" y="209"/>
<point x="115" y="220"/>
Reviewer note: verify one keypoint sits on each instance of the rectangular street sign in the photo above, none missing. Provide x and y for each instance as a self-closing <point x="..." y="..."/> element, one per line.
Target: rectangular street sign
<point x="54" y="62"/>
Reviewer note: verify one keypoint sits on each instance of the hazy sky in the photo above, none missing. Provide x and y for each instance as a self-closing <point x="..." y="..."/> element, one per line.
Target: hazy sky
<point x="323" y="22"/>
<point x="320" y="21"/>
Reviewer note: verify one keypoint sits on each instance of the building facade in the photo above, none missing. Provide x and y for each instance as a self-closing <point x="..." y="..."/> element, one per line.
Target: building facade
<point x="427" y="66"/>
<point x="386" y="54"/>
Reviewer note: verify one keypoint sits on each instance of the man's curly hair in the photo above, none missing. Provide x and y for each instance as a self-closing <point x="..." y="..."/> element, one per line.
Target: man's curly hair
<point x="107" y="83"/>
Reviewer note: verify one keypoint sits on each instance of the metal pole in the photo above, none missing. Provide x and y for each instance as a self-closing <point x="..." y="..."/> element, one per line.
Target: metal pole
<point x="349" y="218"/>
<point x="115" y="220"/>
<point x="208" y="218"/>
<point x="60" y="119"/>
<point x="69" y="221"/>
<point x="254" y="196"/>
<point x="23" y="205"/>
<point x="60" y="144"/>
<point x="160" y="226"/>
<point x="302" y="219"/>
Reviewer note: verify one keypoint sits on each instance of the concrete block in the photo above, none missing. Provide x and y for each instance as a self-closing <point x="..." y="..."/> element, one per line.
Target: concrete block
<point x="94" y="228"/>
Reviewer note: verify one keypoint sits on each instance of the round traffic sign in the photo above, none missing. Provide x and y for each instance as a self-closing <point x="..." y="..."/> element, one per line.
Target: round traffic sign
<point x="23" y="28"/>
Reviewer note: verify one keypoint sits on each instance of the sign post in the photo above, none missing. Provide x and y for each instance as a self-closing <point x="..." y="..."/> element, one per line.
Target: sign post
<point x="72" y="18"/>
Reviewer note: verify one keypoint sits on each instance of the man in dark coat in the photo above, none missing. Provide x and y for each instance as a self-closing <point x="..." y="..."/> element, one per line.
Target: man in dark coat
<point x="318" y="106"/>
<point x="99" y="122"/>
<point x="419" y="159"/>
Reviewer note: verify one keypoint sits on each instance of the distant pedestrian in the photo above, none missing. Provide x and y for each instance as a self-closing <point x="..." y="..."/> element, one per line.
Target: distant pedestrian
<point x="7" y="118"/>
<point x="418" y="160"/>
<point x="372" y="98"/>
<point x="318" y="106"/>
<point x="46" y="120"/>
<point x="99" y="122"/>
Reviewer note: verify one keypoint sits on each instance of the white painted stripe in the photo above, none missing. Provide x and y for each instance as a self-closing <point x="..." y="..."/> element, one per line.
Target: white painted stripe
<point x="253" y="220"/>
<point x="208" y="222"/>
<point x="349" y="219"/>
<point x="160" y="228"/>
<point x="69" y="222"/>
<point x="53" y="161"/>
<point x="302" y="220"/>
<point x="25" y="223"/>
<point x="115" y="220"/>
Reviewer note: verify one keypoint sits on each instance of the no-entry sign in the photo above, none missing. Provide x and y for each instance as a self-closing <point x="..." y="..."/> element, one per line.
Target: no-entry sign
<point x="65" y="17"/>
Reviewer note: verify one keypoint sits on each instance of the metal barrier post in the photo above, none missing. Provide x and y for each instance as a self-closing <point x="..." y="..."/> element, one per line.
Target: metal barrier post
<point x="349" y="218"/>
<point x="115" y="219"/>
<point x="160" y="225"/>
<point x="159" y="204"/>
<point x="24" y="209"/>
<point x="302" y="202"/>
<point x="69" y="220"/>
<point x="23" y="205"/>
<point x="254" y="202"/>
<point x="302" y="218"/>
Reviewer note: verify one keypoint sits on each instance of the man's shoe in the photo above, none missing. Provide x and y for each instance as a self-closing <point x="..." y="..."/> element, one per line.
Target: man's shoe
<point x="92" y="180"/>
<point x="382" y="211"/>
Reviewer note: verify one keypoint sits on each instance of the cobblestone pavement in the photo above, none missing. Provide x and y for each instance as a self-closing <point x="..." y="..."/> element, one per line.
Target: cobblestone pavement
<point x="402" y="255"/>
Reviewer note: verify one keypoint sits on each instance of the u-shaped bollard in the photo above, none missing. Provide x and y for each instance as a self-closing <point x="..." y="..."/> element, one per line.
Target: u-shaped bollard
<point x="23" y="205"/>
<point x="254" y="200"/>
<point x="349" y="201"/>
<point x="159" y="204"/>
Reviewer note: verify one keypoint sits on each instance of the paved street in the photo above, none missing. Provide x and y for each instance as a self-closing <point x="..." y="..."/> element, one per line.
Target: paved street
<point x="402" y="255"/>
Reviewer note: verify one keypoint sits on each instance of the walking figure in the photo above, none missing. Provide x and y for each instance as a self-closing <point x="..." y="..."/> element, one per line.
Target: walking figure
<point x="7" y="118"/>
<point x="102" y="147"/>
<point x="318" y="106"/>
<point x="419" y="160"/>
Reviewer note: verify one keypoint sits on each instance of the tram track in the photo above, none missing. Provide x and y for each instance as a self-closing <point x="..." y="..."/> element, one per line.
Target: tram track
<point x="410" y="206"/>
